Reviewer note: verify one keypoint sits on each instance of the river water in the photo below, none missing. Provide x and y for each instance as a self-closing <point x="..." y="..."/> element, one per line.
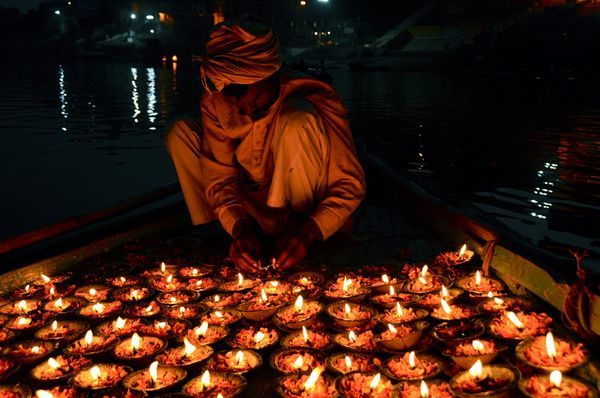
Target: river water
<point x="81" y="136"/>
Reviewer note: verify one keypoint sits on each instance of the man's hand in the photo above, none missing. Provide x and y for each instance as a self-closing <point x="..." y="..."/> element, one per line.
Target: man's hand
<point x="293" y="246"/>
<point x="246" y="248"/>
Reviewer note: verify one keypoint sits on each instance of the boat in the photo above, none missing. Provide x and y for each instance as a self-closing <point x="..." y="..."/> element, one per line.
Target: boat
<point x="403" y="219"/>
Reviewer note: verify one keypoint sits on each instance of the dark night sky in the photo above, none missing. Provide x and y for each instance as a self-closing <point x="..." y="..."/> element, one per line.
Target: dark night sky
<point x="22" y="5"/>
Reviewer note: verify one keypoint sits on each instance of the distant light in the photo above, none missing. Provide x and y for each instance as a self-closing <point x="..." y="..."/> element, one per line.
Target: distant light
<point x="316" y="33"/>
<point x="323" y="1"/>
<point x="302" y="2"/>
<point x="151" y="30"/>
<point x="328" y="32"/>
<point x="174" y="58"/>
<point x="150" y="17"/>
<point x="133" y="16"/>
<point x="56" y="12"/>
<point x="69" y="3"/>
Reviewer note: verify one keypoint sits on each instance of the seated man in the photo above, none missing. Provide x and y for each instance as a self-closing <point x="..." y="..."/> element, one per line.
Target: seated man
<point x="273" y="155"/>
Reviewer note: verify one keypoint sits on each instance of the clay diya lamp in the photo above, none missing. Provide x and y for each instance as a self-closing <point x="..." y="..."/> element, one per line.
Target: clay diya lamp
<point x="313" y="385"/>
<point x="64" y="305"/>
<point x="133" y="294"/>
<point x="215" y="384"/>
<point x="185" y="311"/>
<point x="275" y="288"/>
<point x="296" y="360"/>
<point x="120" y="327"/>
<point x="402" y="336"/>
<point x="27" y="322"/>
<point x="186" y="355"/>
<point x="52" y="292"/>
<point x="65" y="331"/>
<point x="236" y="361"/>
<point x="195" y="272"/>
<point x="383" y="284"/>
<point x="101" y="310"/>
<point x="254" y="338"/>
<point x="412" y="366"/>
<point x="485" y="381"/>
<point x="155" y="379"/>
<point x="139" y="350"/>
<point x="467" y="353"/>
<point x="350" y="315"/>
<point x="206" y="334"/>
<point x="58" y="369"/>
<point x="362" y="342"/>
<point x="92" y="345"/>
<point x="260" y="308"/>
<point x="453" y="258"/>
<point x="15" y="391"/>
<point x="162" y="271"/>
<point x="317" y="339"/>
<point x="20" y="307"/>
<point x="52" y="279"/>
<point x="457" y="332"/>
<point x="548" y="353"/>
<point x="346" y="362"/>
<point x="222" y="317"/>
<point x="167" y="283"/>
<point x="364" y="384"/>
<point x="498" y="305"/>
<point x="8" y="367"/>
<point x="219" y="301"/>
<point x="453" y="312"/>
<point x="307" y="283"/>
<point x="100" y="376"/>
<point x="427" y="284"/>
<point x="93" y="293"/>
<point x="391" y="297"/>
<point x="30" y="351"/>
<point x="555" y="385"/>
<point x="202" y="284"/>
<point x="144" y="310"/>
<point x="433" y="300"/>
<point x="479" y="284"/>
<point x="166" y="328"/>
<point x="301" y="313"/>
<point x="422" y="389"/>
<point x="7" y="335"/>
<point x="519" y="325"/>
<point x="240" y="284"/>
<point x="59" y="392"/>
<point x="344" y="288"/>
<point x="27" y="291"/>
<point x="125" y="280"/>
<point x="400" y="314"/>
<point x="176" y="297"/>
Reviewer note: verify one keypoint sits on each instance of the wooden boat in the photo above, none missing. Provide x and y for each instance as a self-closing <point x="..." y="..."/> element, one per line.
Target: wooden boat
<point x="402" y="220"/>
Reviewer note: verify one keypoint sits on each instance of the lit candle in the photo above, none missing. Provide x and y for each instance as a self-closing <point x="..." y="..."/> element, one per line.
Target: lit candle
<point x="163" y="267"/>
<point x="550" y="346"/>
<point x="422" y="280"/>
<point x="412" y="360"/>
<point x="45" y="278"/>
<point x="263" y="295"/>
<point x="498" y="301"/>
<point x="385" y="278"/>
<point x="24" y="321"/>
<point x="35" y="349"/>
<point x="27" y="287"/>
<point x="375" y="382"/>
<point x="95" y="374"/>
<point x="258" y="337"/>
<point x="424" y="390"/>
<point x="240" y="279"/>
<point x="298" y="304"/>
<point x="161" y="325"/>
<point x="445" y="306"/>
<point x="53" y="363"/>
<point x="43" y="394"/>
<point x="477" y="345"/>
<point x="392" y="329"/>
<point x="54" y="326"/>
<point x="346" y="284"/>
<point x="399" y="309"/>
<point x="170" y="279"/>
<point x="136" y="341"/>
<point x="425" y="271"/>
<point x="52" y="291"/>
<point x="89" y="337"/>
<point x="348" y="362"/>
<point x="189" y="347"/>
<point x="352" y="336"/>
<point x="22" y="306"/>
<point x="476" y="370"/>
<point x="347" y="310"/>
<point x="305" y="334"/>
<point x="556" y="378"/>
<point x="445" y="293"/>
<point x="298" y="362"/>
<point x="205" y="380"/>
<point x="312" y="379"/>
<point x="462" y="251"/>
<point x="119" y="323"/>
<point x="514" y="319"/>
<point x="201" y="331"/>
<point x="392" y="291"/>
<point x="478" y="278"/>
<point x="239" y="359"/>
<point x="153" y="371"/>
<point x="98" y="307"/>
<point x="58" y="303"/>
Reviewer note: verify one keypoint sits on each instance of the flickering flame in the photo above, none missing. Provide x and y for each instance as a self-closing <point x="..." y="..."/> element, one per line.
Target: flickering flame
<point x="24" y="321"/>
<point x="89" y="337"/>
<point x="352" y="336"/>
<point x="93" y="292"/>
<point x="490" y="294"/>
<point x="52" y="291"/>
<point x="22" y="305"/>
<point x="513" y="318"/>
<point x="263" y="295"/>
<point x="304" y="280"/>
<point x="195" y="271"/>
<point x="445" y="306"/>
<point x="375" y="381"/>
<point x="392" y="329"/>
<point x="392" y="291"/>
<point x="201" y="331"/>
<point x="120" y="323"/>
<point x="98" y="308"/>
<point x="173" y="299"/>
<point x="274" y="283"/>
<point x="556" y="378"/>
<point x="218" y="314"/>
<point x="412" y="360"/>
<point x="182" y="310"/>
<point x="148" y="308"/>
<point x="122" y="279"/>
<point x="444" y="292"/>
<point x="136" y="295"/>
<point x="163" y="267"/>
<point x="136" y="341"/>
<point x="53" y="363"/>
<point x="27" y="287"/>
<point x="476" y="370"/>
<point x="298" y="304"/>
<point x="550" y="346"/>
<point x="399" y="309"/>
<point x="312" y="379"/>
<point x="385" y="278"/>
<point x="348" y="362"/>
<point x="423" y="280"/>
<point x="58" y="303"/>
<point x="95" y="373"/>
<point x="498" y="301"/>
<point x="424" y="270"/>
<point x="258" y="337"/>
<point x="424" y="389"/>
<point x="161" y="325"/>
<point x="462" y="251"/>
<point x="43" y="394"/>
<point x="477" y="345"/>
<point x="478" y="278"/>
<point x="298" y="362"/>
<point x="45" y="278"/>
<point x="240" y="279"/>
<point x="35" y="349"/>
<point x="205" y="379"/>
<point x="54" y="326"/>
<point x="346" y="284"/>
<point x="346" y="309"/>
<point x="219" y="395"/>
<point x="216" y="298"/>
<point x="170" y="279"/>
<point x="305" y="334"/>
<point x="239" y="358"/>
<point x="153" y="370"/>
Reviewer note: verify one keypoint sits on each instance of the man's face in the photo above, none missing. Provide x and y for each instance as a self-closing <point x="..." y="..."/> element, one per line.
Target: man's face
<point x="251" y="99"/>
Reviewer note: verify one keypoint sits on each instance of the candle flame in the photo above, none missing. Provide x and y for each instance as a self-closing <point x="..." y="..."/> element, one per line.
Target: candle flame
<point x="304" y="280"/>
<point x="556" y="378"/>
<point x="195" y="271"/>
<point x="274" y="283"/>
<point x="348" y="362"/>
<point x="218" y="314"/>
<point x="375" y="381"/>
<point x="423" y="280"/>
<point x="424" y="389"/>
<point x="22" y="305"/>
<point x="95" y="373"/>
<point x="392" y="291"/>
<point x="477" y="345"/>
<point x="170" y="279"/>
<point x="89" y="337"/>
<point x="189" y="347"/>
<point x="298" y="303"/>
<point x="148" y="308"/>
<point x="173" y="300"/>
<point x="305" y="334"/>
<point x="258" y="337"/>
<point x="43" y="394"/>
<point x="346" y="309"/>
<point x="93" y="291"/>
<point x="53" y="363"/>
<point x="514" y="319"/>
<point x="444" y="292"/>
<point x="477" y="369"/>
<point x="52" y="291"/>
<point x="239" y="358"/>
<point x="498" y="301"/>
<point x="352" y="336"/>
<point x="122" y="279"/>
<point x="412" y="360"/>
<point x="392" y="328"/>
<point x="385" y="278"/>
<point x="399" y="309"/>
<point x="27" y="287"/>
<point x="135" y="294"/>
<point x="298" y="362"/>
<point x="490" y="294"/>
<point x="45" y="278"/>
<point x="424" y="270"/>
<point x="161" y="325"/>
<point x="35" y="349"/>
<point x="153" y="370"/>
<point x="477" y="278"/>
<point x="462" y="251"/>
<point x="263" y="295"/>
<point x="182" y="310"/>
<point x="346" y="284"/>
<point x="54" y="326"/>
<point x="550" y="346"/>
<point x="24" y="321"/>
<point x="445" y="306"/>
<point x="312" y="379"/>
<point x="163" y="267"/>
<point x="98" y="308"/>
<point x="120" y="323"/>
<point x="219" y="395"/>
<point x="136" y="341"/>
<point x="201" y="331"/>
<point x="58" y="303"/>
<point x="205" y="379"/>
<point x="216" y="298"/>
<point x="240" y="279"/>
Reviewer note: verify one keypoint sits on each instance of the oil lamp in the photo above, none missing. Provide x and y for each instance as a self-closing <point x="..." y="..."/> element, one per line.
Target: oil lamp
<point x="313" y="385"/>
<point x="479" y="284"/>
<point x="400" y="314"/>
<point x="120" y="327"/>
<point x="207" y="334"/>
<point x="176" y="297"/>
<point x="555" y="385"/>
<point x="166" y="328"/>
<point x="346" y="362"/>
<point x="384" y="283"/>
<point x="144" y="310"/>
<point x="316" y="339"/>
<point x="517" y="326"/>
<point x="393" y="296"/>
<point x="301" y="313"/>
<point x="240" y="284"/>
<point x="425" y="283"/>
<point x="296" y="360"/>
<point x="100" y="376"/>
<point x="353" y="341"/>
<point x="123" y="281"/>
<point x="261" y="307"/>
<point x="446" y="312"/>
<point x="20" y="307"/>
<point x="133" y="294"/>
<point x="222" y="317"/>
<point x="548" y="353"/>
<point x="236" y="361"/>
<point x="497" y="305"/>
<point x="58" y="368"/>
<point x="422" y="389"/>
<point x="485" y="381"/>
<point x="137" y="349"/>
<point x="220" y="301"/>
<point x="347" y="314"/>
<point x="254" y="338"/>
<point x="202" y="284"/>
<point x="93" y="293"/>
<point x="91" y="345"/>
<point x="101" y="310"/>
<point x="213" y="384"/>
<point x="63" y="305"/>
<point x="156" y="378"/>
<point x="411" y="366"/>
<point x="465" y="354"/>
<point x="344" y="288"/>
<point x="362" y="384"/>
<point x="185" y="311"/>
<point x="30" y="351"/>
<point x="454" y="258"/>
<point x="65" y="331"/>
<point x="402" y="336"/>
<point x="195" y="272"/>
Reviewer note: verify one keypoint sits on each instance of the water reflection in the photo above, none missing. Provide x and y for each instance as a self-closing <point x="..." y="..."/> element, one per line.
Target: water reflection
<point x="134" y="95"/>
<point x="547" y="178"/>
<point x="151" y="76"/>
<point x="62" y="97"/>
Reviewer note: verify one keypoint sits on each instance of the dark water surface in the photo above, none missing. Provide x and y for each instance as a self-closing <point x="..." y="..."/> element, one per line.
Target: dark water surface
<point x="82" y="136"/>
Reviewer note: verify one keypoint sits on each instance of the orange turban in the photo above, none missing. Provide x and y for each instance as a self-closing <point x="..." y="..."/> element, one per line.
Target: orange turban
<point x="239" y="53"/>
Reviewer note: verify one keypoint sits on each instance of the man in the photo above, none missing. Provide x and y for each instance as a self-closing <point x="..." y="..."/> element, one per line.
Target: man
<point x="273" y="156"/>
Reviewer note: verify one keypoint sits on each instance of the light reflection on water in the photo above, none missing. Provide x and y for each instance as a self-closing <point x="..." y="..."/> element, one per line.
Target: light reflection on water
<point x="82" y="136"/>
